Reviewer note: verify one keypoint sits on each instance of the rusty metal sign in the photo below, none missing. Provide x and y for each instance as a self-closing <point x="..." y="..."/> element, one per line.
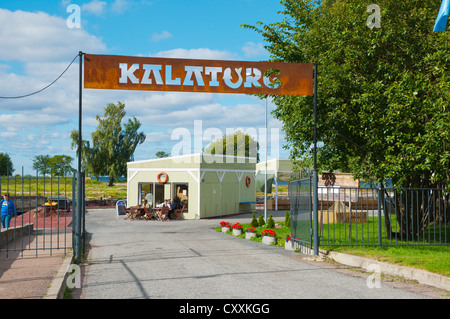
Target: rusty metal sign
<point x="191" y="75"/>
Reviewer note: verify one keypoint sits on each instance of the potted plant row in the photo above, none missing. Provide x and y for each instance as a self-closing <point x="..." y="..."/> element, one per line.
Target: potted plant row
<point x="226" y="226"/>
<point x="236" y="229"/>
<point x="269" y="236"/>
<point x="251" y="233"/>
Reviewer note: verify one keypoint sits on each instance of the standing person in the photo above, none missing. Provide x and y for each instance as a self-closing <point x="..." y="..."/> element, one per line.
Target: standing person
<point x="7" y="210"/>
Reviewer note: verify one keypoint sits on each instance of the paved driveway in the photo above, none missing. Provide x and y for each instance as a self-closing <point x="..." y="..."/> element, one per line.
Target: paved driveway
<point x="189" y="260"/>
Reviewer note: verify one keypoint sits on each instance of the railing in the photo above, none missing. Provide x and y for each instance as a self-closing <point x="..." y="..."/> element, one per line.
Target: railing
<point x="371" y="216"/>
<point x="44" y="220"/>
<point x="300" y="195"/>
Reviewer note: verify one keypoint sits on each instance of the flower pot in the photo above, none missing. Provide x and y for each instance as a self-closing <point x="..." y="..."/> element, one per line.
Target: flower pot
<point x="289" y="245"/>
<point x="237" y="232"/>
<point x="249" y="235"/>
<point x="225" y="229"/>
<point x="268" y="240"/>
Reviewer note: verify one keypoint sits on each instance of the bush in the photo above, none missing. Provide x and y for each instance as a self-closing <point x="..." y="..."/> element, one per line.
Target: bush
<point x="287" y="219"/>
<point x="254" y="221"/>
<point x="261" y="220"/>
<point x="270" y="222"/>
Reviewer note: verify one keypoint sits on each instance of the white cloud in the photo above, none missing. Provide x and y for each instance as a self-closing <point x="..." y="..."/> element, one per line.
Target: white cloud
<point x="17" y="122"/>
<point x="161" y="36"/>
<point x="38" y="37"/>
<point x="201" y="53"/>
<point x="212" y="115"/>
<point x="157" y="137"/>
<point x="8" y="134"/>
<point x="253" y="50"/>
<point x="95" y="7"/>
<point x="41" y="124"/>
<point x="120" y="6"/>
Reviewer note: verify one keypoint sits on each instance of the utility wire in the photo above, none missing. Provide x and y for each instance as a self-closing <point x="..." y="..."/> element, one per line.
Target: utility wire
<point x="22" y="96"/>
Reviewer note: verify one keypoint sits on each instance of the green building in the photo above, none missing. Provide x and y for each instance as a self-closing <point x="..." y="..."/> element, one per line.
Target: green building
<point x="212" y="185"/>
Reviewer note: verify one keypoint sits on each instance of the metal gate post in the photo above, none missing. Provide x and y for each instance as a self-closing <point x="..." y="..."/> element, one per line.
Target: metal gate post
<point x="315" y="175"/>
<point x="315" y="213"/>
<point x="83" y="209"/>
<point x="74" y="210"/>
<point x="78" y="219"/>
<point x="80" y="196"/>
<point x="380" y="200"/>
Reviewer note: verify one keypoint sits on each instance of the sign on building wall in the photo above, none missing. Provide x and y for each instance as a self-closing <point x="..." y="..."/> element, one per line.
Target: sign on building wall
<point x="189" y="75"/>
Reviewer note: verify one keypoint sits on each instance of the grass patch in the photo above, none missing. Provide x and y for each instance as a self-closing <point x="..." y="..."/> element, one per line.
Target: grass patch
<point x="435" y="259"/>
<point x="362" y="240"/>
<point x="59" y="186"/>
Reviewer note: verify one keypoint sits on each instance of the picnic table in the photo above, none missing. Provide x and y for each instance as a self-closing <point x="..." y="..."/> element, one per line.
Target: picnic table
<point x="46" y="210"/>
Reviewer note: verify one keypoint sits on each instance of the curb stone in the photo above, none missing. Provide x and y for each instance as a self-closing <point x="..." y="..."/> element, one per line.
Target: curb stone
<point x="421" y="276"/>
<point x="58" y="285"/>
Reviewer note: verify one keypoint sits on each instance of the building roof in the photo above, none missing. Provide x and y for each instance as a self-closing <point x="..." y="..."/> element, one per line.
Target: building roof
<point x="198" y="160"/>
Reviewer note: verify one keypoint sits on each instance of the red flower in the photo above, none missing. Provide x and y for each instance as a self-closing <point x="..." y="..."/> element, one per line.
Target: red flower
<point x="236" y="226"/>
<point x="268" y="232"/>
<point x="225" y="224"/>
<point x="251" y="229"/>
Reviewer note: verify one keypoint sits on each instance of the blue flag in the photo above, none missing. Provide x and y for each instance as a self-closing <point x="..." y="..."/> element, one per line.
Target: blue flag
<point x="441" y="21"/>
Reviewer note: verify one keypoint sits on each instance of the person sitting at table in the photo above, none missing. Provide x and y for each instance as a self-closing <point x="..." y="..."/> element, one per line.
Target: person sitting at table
<point x="172" y="208"/>
<point x="146" y="204"/>
<point x="164" y="204"/>
<point x="140" y="212"/>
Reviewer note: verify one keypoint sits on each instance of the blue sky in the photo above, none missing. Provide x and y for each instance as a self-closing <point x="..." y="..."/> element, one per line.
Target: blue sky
<point x="36" y="45"/>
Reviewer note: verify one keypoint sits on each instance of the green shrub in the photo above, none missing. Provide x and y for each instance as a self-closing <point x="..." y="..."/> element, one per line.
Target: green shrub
<point x="261" y="220"/>
<point x="270" y="222"/>
<point x="254" y="221"/>
<point x="287" y="219"/>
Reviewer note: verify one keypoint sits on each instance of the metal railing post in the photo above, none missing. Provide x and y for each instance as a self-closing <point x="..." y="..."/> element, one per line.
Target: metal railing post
<point x="315" y="175"/>
<point x="315" y="213"/>
<point x="380" y="198"/>
<point x="78" y="221"/>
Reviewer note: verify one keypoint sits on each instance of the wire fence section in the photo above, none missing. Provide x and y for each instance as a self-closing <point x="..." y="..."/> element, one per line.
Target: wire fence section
<point x="371" y="216"/>
<point x="44" y="214"/>
<point x="300" y="195"/>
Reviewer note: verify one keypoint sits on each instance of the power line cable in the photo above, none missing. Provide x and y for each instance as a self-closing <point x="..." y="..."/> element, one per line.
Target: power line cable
<point x="26" y="95"/>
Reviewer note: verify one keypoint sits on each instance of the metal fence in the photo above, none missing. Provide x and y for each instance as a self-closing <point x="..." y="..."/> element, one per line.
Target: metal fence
<point x="370" y="216"/>
<point x="300" y="195"/>
<point x="45" y="211"/>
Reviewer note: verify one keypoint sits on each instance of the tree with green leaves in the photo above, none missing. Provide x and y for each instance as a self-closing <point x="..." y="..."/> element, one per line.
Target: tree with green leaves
<point x="61" y="165"/>
<point x="58" y="165"/>
<point x="383" y="93"/>
<point x="41" y="163"/>
<point x="6" y="165"/>
<point x="162" y="154"/>
<point x="113" y="145"/>
<point x="235" y="144"/>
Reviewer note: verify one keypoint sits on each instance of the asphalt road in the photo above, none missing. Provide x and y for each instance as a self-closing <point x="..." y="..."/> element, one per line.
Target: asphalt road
<point x="188" y="260"/>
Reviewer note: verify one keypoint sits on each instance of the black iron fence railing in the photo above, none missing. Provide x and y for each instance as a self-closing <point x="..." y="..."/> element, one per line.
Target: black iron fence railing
<point x="370" y="216"/>
<point x="46" y="209"/>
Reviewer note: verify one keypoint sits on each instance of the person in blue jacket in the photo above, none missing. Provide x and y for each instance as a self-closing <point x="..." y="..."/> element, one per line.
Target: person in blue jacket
<point x="7" y="210"/>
